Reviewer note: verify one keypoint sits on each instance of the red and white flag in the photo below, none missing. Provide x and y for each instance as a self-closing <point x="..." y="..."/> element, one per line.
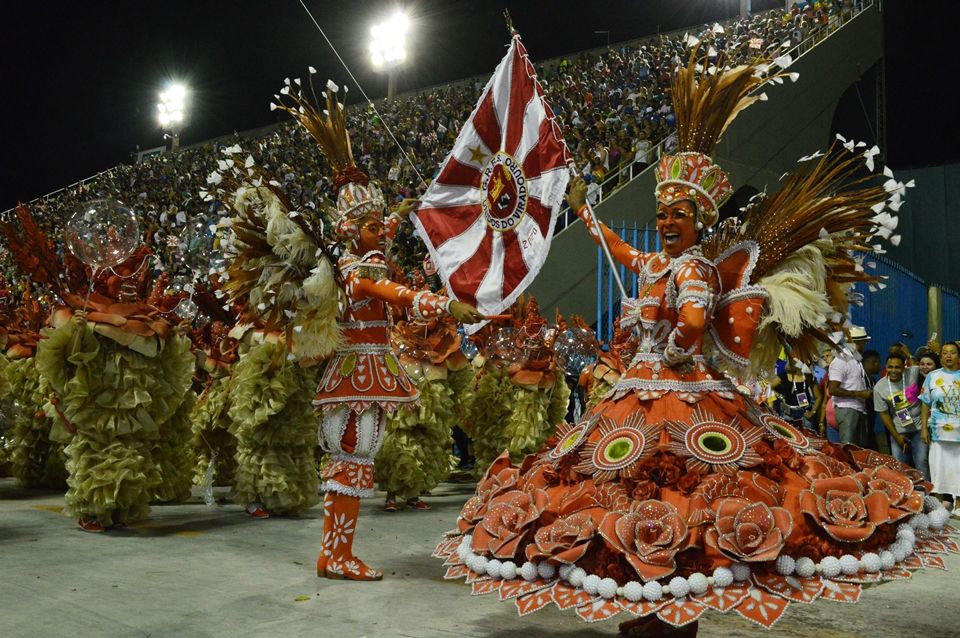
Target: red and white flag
<point x="488" y="217"/>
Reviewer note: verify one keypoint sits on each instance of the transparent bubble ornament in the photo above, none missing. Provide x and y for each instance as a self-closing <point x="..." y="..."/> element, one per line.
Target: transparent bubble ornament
<point x="501" y="349"/>
<point x="467" y="347"/>
<point x="186" y="309"/>
<point x="196" y="248"/>
<point x="575" y="349"/>
<point x="102" y="233"/>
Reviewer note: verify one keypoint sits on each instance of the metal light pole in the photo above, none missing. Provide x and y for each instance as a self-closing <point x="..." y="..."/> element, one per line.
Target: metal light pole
<point x="170" y="110"/>
<point x="387" y="50"/>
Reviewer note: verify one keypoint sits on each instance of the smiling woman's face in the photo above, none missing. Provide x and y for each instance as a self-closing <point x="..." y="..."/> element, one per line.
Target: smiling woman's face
<point x="677" y="226"/>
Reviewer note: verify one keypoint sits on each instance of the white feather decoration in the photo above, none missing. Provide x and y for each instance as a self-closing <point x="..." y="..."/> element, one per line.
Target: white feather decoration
<point x="797" y="300"/>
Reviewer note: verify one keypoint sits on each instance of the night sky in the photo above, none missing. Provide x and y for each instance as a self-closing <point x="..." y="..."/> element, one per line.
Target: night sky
<point x="80" y="79"/>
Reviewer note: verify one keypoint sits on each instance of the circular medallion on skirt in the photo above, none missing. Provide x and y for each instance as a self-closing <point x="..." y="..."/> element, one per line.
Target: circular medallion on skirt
<point x="783" y="430"/>
<point x="716" y="443"/>
<point x="504" y="193"/>
<point x="618" y="449"/>
<point x="569" y="441"/>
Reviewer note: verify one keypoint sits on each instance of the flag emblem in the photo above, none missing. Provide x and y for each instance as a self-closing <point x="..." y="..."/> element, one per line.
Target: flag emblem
<point x="504" y="188"/>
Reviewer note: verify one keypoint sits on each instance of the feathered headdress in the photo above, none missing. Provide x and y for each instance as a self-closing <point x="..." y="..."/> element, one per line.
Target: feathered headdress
<point x="706" y="99"/>
<point x="808" y="234"/>
<point x="356" y="199"/>
<point x="32" y="250"/>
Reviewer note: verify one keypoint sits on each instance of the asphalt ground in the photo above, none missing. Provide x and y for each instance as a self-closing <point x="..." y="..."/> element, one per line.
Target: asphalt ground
<point x="197" y="570"/>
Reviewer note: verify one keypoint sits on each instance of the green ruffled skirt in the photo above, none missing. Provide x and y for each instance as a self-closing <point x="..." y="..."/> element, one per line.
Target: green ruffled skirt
<point x="35" y="460"/>
<point x="271" y="408"/>
<point x="506" y="416"/>
<point x="211" y="430"/>
<point x="417" y="450"/>
<point x="117" y="399"/>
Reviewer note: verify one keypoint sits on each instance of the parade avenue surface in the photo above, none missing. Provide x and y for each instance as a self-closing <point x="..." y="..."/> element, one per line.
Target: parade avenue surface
<point x="194" y="570"/>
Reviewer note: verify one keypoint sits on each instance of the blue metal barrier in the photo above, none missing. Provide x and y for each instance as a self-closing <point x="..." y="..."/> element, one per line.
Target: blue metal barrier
<point x="895" y="313"/>
<point x="950" y="315"/>
<point x="608" y="297"/>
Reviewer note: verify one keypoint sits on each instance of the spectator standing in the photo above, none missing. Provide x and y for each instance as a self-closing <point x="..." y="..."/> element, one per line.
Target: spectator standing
<point x="800" y="396"/>
<point x="850" y="388"/>
<point x="828" y="415"/>
<point x="927" y="363"/>
<point x="876" y="434"/>
<point x="642" y="156"/>
<point x="896" y="398"/>
<point x="593" y="190"/>
<point x="941" y="424"/>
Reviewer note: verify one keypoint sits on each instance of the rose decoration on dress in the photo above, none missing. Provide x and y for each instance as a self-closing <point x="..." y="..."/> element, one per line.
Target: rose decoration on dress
<point x="899" y="490"/>
<point x="821" y="466"/>
<point x="579" y="498"/>
<point x="614" y="497"/>
<point x="750" y="532"/>
<point x="751" y="486"/>
<point x="565" y="540"/>
<point x="645" y="491"/>
<point x="868" y="459"/>
<point x="649" y="536"/>
<point x="507" y="522"/>
<point x="500" y="477"/>
<point x="845" y="508"/>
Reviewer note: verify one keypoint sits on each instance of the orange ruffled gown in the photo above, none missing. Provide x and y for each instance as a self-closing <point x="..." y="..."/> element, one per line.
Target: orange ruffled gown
<point x="676" y="495"/>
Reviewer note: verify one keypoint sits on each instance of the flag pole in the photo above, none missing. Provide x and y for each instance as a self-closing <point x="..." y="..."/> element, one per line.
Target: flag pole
<point x="603" y="243"/>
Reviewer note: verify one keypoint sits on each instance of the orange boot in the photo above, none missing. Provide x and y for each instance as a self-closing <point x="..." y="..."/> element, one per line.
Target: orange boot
<point x="343" y="564"/>
<point x="326" y="549"/>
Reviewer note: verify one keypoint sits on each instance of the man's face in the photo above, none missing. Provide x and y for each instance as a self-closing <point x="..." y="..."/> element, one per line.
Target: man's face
<point x="827" y="357"/>
<point x="373" y="236"/>
<point x="861" y="344"/>
<point x="677" y="226"/>
<point x="895" y="370"/>
<point x="872" y="365"/>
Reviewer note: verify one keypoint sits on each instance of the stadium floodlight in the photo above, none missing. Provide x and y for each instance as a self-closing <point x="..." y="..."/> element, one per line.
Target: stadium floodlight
<point x="388" y="47"/>
<point x="170" y="111"/>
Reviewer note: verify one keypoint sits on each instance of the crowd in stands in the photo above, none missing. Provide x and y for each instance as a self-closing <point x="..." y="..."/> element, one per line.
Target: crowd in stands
<point x="615" y="108"/>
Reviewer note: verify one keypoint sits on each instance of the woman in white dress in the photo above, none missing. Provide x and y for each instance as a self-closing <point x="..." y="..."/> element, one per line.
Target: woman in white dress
<point x="941" y="423"/>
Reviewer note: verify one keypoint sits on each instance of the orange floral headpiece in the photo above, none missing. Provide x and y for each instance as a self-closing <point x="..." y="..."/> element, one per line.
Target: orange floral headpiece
<point x="694" y="177"/>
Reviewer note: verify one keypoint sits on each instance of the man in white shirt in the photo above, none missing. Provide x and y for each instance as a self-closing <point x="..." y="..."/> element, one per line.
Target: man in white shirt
<point x="850" y="389"/>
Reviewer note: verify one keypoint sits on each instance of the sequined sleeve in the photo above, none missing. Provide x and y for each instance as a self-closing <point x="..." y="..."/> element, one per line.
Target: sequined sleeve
<point x="371" y="279"/>
<point x="697" y="283"/>
<point x="392" y="224"/>
<point x="621" y="250"/>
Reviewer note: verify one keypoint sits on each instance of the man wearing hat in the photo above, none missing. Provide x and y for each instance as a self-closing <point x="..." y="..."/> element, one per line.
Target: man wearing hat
<point x="850" y="388"/>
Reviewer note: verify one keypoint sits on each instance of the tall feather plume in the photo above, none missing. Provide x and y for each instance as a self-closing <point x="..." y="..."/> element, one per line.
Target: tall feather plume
<point x="707" y="98"/>
<point x="32" y="251"/>
<point x="279" y="264"/>
<point x="328" y="128"/>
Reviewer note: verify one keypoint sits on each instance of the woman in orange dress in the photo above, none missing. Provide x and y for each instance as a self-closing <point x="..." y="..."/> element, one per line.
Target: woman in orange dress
<point x="364" y="382"/>
<point x="675" y="495"/>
